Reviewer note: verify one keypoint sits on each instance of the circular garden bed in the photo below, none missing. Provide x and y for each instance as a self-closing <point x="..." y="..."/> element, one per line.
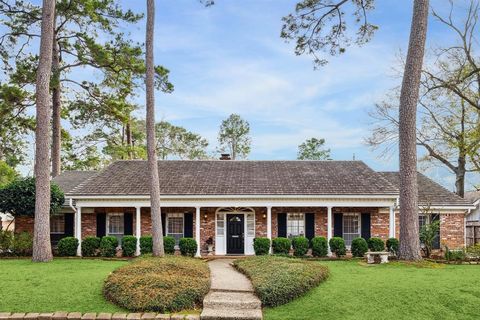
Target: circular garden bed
<point x="167" y="284"/>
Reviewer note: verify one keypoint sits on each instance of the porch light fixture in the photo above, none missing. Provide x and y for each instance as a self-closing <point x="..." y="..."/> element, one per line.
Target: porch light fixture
<point x="264" y="216"/>
<point x="205" y="216"/>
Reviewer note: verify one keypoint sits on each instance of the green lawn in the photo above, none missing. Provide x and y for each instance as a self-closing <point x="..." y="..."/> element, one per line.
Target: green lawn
<point x="61" y="285"/>
<point x="394" y="291"/>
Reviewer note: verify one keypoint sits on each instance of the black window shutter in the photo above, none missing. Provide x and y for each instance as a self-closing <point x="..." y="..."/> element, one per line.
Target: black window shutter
<point x="310" y="225"/>
<point x="101" y="224"/>
<point x="338" y="225"/>
<point x="188" y="225"/>
<point x="128" y="223"/>
<point x="69" y="218"/>
<point x="366" y="233"/>
<point x="282" y="224"/>
<point x="164" y="227"/>
<point x="436" y="241"/>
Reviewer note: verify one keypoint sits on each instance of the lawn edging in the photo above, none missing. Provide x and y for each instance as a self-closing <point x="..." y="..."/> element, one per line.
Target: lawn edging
<point x="61" y="315"/>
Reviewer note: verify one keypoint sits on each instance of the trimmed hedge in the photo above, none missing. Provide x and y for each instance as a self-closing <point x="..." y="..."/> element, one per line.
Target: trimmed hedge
<point x="319" y="247"/>
<point x="67" y="247"/>
<point x="261" y="246"/>
<point x="108" y="246"/>
<point x="278" y="280"/>
<point x="146" y="244"/>
<point x="359" y="247"/>
<point x="392" y="245"/>
<point x="90" y="246"/>
<point x="188" y="247"/>
<point x="281" y="245"/>
<point x="337" y="246"/>
<point x="168" y="284"/>
<point x="300" y="246"/>
<point x="129" y="246"/>
<point x="376" y="244"/>
<point x="169" y="245"/>
<point x="23" y="244"/>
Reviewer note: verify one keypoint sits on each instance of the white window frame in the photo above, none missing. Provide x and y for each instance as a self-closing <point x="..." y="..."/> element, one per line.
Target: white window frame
<point x="107" y="231"/>
<point x="304" y="224"/>
<point x="177" y="215"/>
<point x="359" y="215"/>
<point x="62" y="216"/>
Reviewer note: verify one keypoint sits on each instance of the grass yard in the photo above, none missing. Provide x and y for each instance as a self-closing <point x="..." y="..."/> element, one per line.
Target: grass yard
<point x="394" y="291"/>
<point x="61" y="285"/>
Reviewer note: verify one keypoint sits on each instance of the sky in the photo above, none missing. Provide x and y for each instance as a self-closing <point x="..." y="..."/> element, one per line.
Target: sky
<point x="229" y="58"/>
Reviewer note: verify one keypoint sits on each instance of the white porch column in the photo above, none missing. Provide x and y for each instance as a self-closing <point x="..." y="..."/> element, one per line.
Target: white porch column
<point x="269" y="226"/>
<point x="329" y="228"/>
<point x="138" y="231"/>
<point x="197" y="230"/>
<point x="392" y="222"/>
<point x="78" y="230"/>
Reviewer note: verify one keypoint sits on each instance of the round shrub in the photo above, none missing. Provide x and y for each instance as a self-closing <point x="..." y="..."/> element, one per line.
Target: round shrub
<point x="392" y="245"/>
<point x="22" y="244"/>
<point x="337" y="246"/>
<point x="278" y="280"/>
<point x="376" y="244"/>
<point x="359" y="247"/>
<point x="168" y="284"/>
<point x="169" y="245"/>
<point x="281" y="245"/>
<point x="188" y="246"/>
<point x="300" y="246"/>
<point x="67" y="246"/>
<point x="90" y="246"/>
<point x="146" y="244"/>
<point x="108" y="246"/>
<point x="129" y="246"/>
<point x="319" y="247"/>
<point x="261" y="246"/>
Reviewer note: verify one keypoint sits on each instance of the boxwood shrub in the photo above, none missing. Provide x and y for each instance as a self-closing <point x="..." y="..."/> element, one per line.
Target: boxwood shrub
<point x="337" y="246"/>
<point x="261" y="246"/>
<point x="300" y="246"/>
<point x="359" y="247"/>
<point x="392" y="245"/>
<point x="188" y="246"/>
<point x="168" y="284"/>
<point x="169" y="245"/>
<point x="108" y="246"/>
<point x="67" y="247"/>
<point x="90" y="246"/>
<point x="319" y="247"/>
<point x="146" y="244"/>
<point x="278" y="280"/>
<point x="281" y="245"/>
<point x="376" y="244"/>
<point x="129" y="246"/>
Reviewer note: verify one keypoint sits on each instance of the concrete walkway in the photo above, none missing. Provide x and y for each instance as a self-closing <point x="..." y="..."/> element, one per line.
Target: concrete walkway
<point x="231" y="295"/>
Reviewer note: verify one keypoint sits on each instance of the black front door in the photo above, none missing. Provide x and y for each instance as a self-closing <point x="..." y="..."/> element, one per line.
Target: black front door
<point x="235" y="231"/>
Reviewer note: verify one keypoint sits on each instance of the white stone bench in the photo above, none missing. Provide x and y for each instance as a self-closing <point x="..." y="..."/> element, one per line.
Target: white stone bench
<point x="382" y="254"/>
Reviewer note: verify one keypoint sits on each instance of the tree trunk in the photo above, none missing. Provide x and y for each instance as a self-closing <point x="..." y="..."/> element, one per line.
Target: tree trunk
<point x="157" y="233"/>
<point x="42" y="250"/>
<point x="409" y="233"/>
<point x="460" y="176"/>
<point x="56" y="112"/>
<point x="129" y="140"/>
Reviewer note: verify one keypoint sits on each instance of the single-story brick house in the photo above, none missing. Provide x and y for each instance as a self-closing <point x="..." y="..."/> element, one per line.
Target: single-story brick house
<point x="230" y="203"/>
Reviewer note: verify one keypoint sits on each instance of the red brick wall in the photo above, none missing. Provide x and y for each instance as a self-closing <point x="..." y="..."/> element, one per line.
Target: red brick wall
<point x="24" y="224"/>
<point x="452" y="230"/>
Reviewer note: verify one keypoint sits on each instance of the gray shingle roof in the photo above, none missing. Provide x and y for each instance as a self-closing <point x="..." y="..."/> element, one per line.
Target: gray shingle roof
<point x="429" y="192"/>
<point x="216" y="177"/>
<point x="68" y="180"/>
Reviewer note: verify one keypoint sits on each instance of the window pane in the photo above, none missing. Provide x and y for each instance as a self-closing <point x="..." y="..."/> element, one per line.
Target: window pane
<point x="250" y="225"/>
<point x="295" y="225"/>
<point x="115" y="224"/>
<point x="57" y="224"/>
<point x="220" y="224"/>
<point x="351" y="227"/>
<point x="175" y="226"/>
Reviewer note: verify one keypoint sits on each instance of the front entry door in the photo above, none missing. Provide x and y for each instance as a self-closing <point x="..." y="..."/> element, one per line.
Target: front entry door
<point x="235" y="234"/>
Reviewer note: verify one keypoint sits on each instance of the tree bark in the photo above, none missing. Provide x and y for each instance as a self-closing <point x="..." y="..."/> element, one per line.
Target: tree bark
<point x="42" y="250"/>
<point x="129" y="140"/>
<point x="56" y="113"/>
<point x="157" y="233"/>
<point x="409" y="232"/>
<point x="460" y="176"/>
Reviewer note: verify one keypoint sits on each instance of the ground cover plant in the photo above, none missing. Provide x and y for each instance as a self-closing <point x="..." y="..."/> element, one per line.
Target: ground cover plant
<point x="168" y="284"/>
<point x="397" y="290"/>
<point x="63" y="284"/>
<point x="278" y="280"/>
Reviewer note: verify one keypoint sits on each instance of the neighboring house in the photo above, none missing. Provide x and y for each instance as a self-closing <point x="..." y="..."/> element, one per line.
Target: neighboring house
<point x="473" y="218"/>
<point x="232" y="202"/>
<point x="6" y="222"/>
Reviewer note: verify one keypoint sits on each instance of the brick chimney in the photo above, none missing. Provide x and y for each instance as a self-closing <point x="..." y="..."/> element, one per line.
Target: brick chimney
<point x="225" y="156"/>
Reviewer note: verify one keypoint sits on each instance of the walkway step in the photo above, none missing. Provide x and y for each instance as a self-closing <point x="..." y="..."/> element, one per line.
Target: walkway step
<point x="231" y="300"/>
<point x="227" y="314"/>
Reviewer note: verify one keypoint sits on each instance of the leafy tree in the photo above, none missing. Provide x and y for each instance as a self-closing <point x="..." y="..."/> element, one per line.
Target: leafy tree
<point x="179" y="142"/>
<point x="234" y="136"/>
<point x="7" y="174"/>
<point x="312" y="149"/>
